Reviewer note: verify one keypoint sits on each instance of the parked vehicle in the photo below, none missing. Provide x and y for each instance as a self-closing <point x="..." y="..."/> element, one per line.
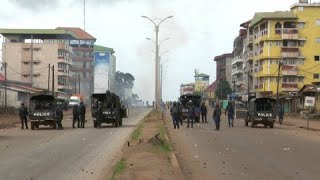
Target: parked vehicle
<point x="42" y="111"/>
<point x="196" y="100"/>
<point x="112" y="114"/>
<point x="63" y="103"/>
<point x="75" y="99"/>
<point x="262" y="111"/>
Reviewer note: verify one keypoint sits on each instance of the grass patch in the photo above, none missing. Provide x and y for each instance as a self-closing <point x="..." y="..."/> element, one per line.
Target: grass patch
<point x="166" y="147"/>
<point x="120" y="167"/>
<point x="137" y="132"/>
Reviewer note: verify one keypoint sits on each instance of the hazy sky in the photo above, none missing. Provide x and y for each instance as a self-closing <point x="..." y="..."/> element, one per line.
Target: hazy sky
<point x="199" y="31"/>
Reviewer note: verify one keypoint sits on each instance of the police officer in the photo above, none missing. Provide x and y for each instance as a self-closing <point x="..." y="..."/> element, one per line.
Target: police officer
<point x="175" y="113"/>
<point x="23" y="113"/>
<point x="75" y="113"/>
<point x="82" y="114"/>
<point x="204" y="113"/>
<point x="191" y="113"/>
<point x="99" y="114"/>
<point x="59" y="117"/>
<point x="180" y="115"/>
<point x="230" y="111"/>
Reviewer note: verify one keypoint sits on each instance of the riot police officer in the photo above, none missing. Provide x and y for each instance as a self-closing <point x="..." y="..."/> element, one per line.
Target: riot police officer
<point x="82" y="114"/>
<point x="99" y="114"/>
<point x="59" y="117"/>
<point x="23" y="113"/>
<point x="75" y="113"/>
<point x="191" y="113"/>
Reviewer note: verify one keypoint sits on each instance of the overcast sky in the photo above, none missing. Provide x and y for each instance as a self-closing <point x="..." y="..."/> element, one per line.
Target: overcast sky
<point x="199" y="31"/>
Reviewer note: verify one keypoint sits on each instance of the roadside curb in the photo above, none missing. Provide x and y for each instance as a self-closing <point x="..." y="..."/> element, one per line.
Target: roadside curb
<point x="174" y="160"/>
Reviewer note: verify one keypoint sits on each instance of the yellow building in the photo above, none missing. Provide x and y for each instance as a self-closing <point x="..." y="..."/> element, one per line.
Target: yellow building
<point x="291" y="38"/>
<point x="201" y="82"/>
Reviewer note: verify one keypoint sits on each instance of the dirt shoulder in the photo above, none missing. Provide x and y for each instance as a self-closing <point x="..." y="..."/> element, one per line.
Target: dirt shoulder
<point x="8" y="120"/>
<point x="146" y="157"/>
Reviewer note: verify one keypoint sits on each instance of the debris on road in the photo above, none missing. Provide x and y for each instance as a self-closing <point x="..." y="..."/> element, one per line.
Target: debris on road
<point x="286" y="149"/>
<point x="195" y="145"/>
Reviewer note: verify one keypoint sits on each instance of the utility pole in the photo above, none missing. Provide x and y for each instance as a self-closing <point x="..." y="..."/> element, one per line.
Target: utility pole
<point x="278" y="81"/>
<point x="248" y="89"/>
<point x="234" y="86"/>
<point x="31" y="61"/>
<point x="5" y="87"/>
<point x="52" y="80"/>
<point x="79" y="82"/>
<point x="84" y="15"/>
<point x="49" y="78"/>
<point x="75" y="84"/>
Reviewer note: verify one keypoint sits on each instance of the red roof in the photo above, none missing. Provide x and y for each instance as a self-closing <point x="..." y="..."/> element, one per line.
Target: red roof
<point x="2" y="77"/>
<point x="79" y="33"/>
<point x="211" y="87"/>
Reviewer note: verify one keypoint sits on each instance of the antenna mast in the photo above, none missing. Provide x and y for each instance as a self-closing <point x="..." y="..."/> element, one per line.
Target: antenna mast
<point x="84" y="14"/>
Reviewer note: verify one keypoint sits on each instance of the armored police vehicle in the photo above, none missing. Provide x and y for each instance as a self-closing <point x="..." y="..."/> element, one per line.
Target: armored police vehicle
<point x="42" y="111"/>
<point x="196" y="101"/>
<point x="112" y="109"/>
<point x="261" y="111"/>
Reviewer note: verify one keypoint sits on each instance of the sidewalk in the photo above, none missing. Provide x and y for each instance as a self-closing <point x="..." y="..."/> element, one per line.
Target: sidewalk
<point x="301" y="123"/>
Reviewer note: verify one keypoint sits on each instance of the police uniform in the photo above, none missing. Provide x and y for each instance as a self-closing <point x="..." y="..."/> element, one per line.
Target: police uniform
<point x="75" y="113"/>
<point x="23" y="113"/>
<point x="59" y="117"/>
<point x="99" y="114"/>
<point x="82" y="114"/>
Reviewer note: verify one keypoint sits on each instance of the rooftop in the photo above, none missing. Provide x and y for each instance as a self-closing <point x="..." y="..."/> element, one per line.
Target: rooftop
<point x="78" y="32"/>
<point x="188" y="84"/>
<point x="272" y="15"/>
<point x="201" y="75"/>
<point x="223" y="56"/>
<point x="211" y="87"/>
<point x="38" y="33"/>
<point x="315" y="4"/>
<point x="103" y="48"/>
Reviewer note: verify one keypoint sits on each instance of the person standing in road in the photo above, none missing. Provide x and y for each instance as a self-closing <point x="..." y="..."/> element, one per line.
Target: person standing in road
<point x="280" y="114"/>
<point x="82" y="114"/>
<point x="75" y="113"/>
<point x="204" y="112"/>
<point x="175" y="113"/>
<point x="217" y="116"/>
<point x="230" y="111"/>
<point x="23" y="113"/>
<point x="191" y="112"/>
<point x="180" y="115"/>
<point x="59" y="117"/>
<point x="99" y="114"/>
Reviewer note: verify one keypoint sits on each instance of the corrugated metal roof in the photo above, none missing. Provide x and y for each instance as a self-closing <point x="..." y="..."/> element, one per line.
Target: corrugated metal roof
<point x="272" y="15"/>
<point x="79" y="33"/>
<point x="36" y="31"/>
<point x="202" y="75"/>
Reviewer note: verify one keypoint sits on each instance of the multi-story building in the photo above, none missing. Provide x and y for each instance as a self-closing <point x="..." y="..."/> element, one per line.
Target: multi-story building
<point x="29" y="53"/>
<point x="224" y="67"/>
<point x="187" y="88"/>
<point x="201" y="82"/>
<point x="284" y="42"/>
<point x="237" y="63"/>
<point x="83" y="58"/>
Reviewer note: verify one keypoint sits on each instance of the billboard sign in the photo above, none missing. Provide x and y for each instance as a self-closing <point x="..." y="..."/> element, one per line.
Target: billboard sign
<point x="309" y="101"/>
<point x="101" y="71"/>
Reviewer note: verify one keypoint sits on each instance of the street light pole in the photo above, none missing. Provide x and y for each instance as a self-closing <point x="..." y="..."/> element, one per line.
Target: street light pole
<point x="157" y="63"/>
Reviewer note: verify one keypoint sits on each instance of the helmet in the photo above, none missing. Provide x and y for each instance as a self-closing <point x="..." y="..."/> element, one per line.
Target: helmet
<point x="81" y="102"/>
<point x="174" y="103"/>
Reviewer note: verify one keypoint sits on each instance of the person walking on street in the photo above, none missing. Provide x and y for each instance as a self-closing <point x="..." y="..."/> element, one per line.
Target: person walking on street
<point x="280" y="114"/>
<point x="230" y="111"/>
<point x="59" y="117"/>
<point x="82" y="114"/>
<point x="75" y="117"/>
<point x="175" y="113"/>
<point x="217" y="116"/>
<point x="191" y="111"/>
<point x="180" y="115"/>
<point x="99" y="114"/>
<point x="23" y="113"/>
<point x="204" y="112"/>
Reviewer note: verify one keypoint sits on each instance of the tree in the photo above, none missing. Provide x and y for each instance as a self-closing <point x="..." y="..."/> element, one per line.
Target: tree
<point x="123" y="81"/>
<point x="223" y="89"/>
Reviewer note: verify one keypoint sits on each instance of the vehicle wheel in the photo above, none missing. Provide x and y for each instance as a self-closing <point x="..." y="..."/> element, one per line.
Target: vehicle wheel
<point x="265" y="125"/>
<point x="246" y="122"/>
<point x="54" y="124"/>
<point x="120" y="122"/>
<point x="252" y="122"/>
<point x="94" y="124"/>
<point x="271" y="124"/>
<point x="116" y="122"/>
<point x="32" y="125"/>
<point x="37" y="125"/>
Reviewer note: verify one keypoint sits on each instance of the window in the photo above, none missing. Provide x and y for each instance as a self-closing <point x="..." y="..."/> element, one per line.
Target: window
<point x="318" y="40"/>
<point x="300" y="79"/>
<point x="289" y="79"/>
<point x="84" y="75"/>
<point x="301" y="43"/>
<point x="84" y="65"/>
<point x="315" y="76"/>
<point x="26" y="49"/>
<point x="278" y="43"/>
<point x="300" y="25"/>
<point x="278" y="27"/>
<point x="316" y="58"/>
<point x="318" y="22"/>
<point x="300" y="8"/>
<point x="51" y="41"/>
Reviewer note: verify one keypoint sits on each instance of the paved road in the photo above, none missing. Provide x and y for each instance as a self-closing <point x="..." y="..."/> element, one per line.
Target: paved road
<point x="66" y="154"/>
<point x="285" y="152"/>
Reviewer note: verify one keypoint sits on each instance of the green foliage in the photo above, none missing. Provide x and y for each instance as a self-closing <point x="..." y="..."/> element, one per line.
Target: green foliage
<point x="137" y="132"/>
<point x="123" y="81"/>
<point x="198" y="93"/>
<point x="165" y="147"/>
<point x="120" y="167"/>
<point x="224" y="89"/>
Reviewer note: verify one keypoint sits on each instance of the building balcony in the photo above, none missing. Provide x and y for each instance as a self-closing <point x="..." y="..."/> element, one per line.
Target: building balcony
<point x="64" y="60"/>
<point x="82" y="48"/>
<point x="77" y="69"/>
<point x="237" y="71"/>
<point x="79" y="58"/>
<point x="289" y="70"/>
<point x="63" y="72"/>
<point x="290" y="33"/>
<point x="290" y="51"/>
<point x="258" y="86"/>
<point x="237" y="59"/>
<point x="289" y="86"/>
<point x="63" y="86"/>
<point x="64" y="47"/>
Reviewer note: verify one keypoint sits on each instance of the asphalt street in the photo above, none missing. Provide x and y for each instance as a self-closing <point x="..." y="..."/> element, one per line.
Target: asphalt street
<point x="284" y="152"/>
<point x="63" y="154"/>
